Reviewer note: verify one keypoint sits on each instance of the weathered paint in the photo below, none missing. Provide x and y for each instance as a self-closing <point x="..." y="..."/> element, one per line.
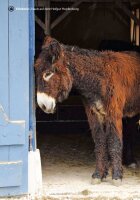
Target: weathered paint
<point x="12" y="134"/>
<point x="4" y="84"/>
<point x="14" y="172"/>
<point x="15" y="97"/>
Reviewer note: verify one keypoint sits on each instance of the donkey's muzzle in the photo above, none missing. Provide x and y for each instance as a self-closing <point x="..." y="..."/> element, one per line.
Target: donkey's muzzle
<point x="46" y="103"/>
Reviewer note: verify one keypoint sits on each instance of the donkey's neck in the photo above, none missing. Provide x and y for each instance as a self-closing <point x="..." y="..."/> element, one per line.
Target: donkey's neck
<point x="82" y="67"/>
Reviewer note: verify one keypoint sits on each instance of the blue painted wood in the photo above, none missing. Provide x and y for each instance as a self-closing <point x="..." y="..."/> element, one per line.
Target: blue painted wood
<point x="32" y="77"/>
<point x="16" y="152"/>
<point x="19" y="83"/>
<point x="12" y="134"/>
<point x="4" y="153"/>
<point x="4" y="83"/>
<point x="16" y="102"/>
<point x="10" y="191"/>
<point x="19" y="60"/>
<point x="11" y="153"/>
<point x="13" y="171"/>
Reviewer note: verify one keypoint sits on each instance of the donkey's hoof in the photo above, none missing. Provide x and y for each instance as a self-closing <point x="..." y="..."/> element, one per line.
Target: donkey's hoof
<point x="133" y="166"/>
<point x="95" y="181"/>
<point x="105" y="179"/>
<point x="117" y="182"/>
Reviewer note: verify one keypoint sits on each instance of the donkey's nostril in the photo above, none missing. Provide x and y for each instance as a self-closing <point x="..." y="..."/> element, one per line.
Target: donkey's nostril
<point x="43" y="107"/>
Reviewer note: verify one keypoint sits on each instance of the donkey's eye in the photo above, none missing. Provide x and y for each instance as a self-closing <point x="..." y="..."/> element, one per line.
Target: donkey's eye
<point x="55" y="69"/>
<point x="47" y="75"/>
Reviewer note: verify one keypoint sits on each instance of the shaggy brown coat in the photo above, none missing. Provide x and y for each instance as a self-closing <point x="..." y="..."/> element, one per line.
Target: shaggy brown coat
<point x="109" y="83"/>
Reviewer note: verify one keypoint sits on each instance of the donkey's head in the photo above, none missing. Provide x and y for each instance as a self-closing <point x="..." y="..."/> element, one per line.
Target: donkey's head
<point x="53" y="78"/>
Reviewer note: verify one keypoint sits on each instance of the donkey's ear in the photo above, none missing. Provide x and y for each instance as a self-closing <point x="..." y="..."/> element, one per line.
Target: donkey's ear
<point x="54" y="51"/>
<point x="47" y="41"/>
<point x="53" y="47"/>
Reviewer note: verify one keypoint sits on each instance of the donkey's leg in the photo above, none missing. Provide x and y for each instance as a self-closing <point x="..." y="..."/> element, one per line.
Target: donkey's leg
<point x="115" y="147"/>
<point x="129" y="136"/>
<point x="101" y="154"/>
<point x="99" y="137"/>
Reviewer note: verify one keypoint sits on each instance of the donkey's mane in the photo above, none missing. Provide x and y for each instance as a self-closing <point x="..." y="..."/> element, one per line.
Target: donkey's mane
<point x="81" y="51"/>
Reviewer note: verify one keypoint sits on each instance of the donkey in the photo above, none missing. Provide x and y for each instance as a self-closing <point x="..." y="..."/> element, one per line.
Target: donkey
<point x="109" y="84"/>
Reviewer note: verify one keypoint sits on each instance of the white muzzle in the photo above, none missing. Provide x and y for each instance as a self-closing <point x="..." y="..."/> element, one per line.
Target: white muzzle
<point x="46" y="103"/>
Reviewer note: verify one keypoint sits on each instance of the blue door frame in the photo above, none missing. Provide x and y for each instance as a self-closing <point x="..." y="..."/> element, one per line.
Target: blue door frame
<point x="32" y="120"/>
<point x="17" y="117"/>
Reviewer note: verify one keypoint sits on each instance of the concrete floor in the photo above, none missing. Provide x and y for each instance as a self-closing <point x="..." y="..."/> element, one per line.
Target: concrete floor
<point x="68" y="162"/>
